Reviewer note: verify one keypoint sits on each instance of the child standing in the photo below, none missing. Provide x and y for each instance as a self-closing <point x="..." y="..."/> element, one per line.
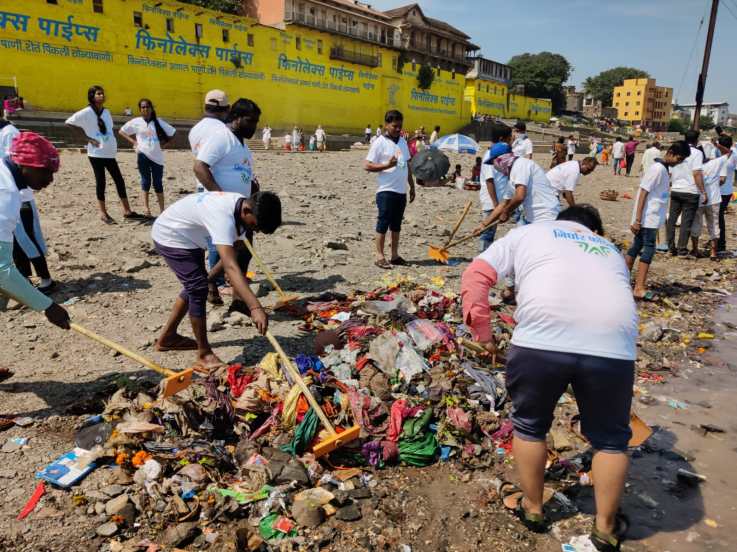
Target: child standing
<point x="649" y="213"/>
<point x="389" y="157"/>
<point x="148" y="134"/>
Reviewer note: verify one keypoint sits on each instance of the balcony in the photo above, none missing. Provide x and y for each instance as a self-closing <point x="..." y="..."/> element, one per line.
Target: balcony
<point x="340" y="53"/>
<point x="309" y="20"/>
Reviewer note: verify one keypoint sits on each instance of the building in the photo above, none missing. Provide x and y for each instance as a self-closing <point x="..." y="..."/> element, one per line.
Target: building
<point x="718" y="111"/>
<point x="642" y="103"/>
<point x="595" y="109"/>
<point x="574" y="99"/>
<point x="431" y="41"/>
<point x="732" y="120"/>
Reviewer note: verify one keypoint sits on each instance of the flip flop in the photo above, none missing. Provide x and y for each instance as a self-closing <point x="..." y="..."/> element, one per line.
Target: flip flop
<point x="649" y="297"/>
<point x="610" y="543"/>
<point x="534" y="522"/>
<point x="107" y="220"/>
<point x="5" y="373"/>
<point x="383" y="263"/>
<point x="399" y="261"/>
<point x="181" y="343"/>
<point x="134" y="216"/>
<point x="205" y="369"/>
<point x="46" y="289"/>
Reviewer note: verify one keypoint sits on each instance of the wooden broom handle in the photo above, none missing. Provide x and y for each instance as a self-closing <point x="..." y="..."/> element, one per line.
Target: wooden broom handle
<point x="266" y="270"/>
<point x="458" y="224"/>
<point x="122" y="350"/>
<point x="469" y="237"/>
<point x="295" y="375"/>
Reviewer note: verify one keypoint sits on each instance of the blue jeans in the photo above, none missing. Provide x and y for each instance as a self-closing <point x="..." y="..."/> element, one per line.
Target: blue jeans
<point x="486" y="238"/>
<point x="151" y="173"/>
<point x="644" y="245"/>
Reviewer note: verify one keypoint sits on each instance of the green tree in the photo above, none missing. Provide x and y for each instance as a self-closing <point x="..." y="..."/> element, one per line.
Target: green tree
<point x="706" y="122"/>
<point x="542" y="75"/>
<point x="601" y="86"/>
<point x="677" y="125"/>
<point x="228" y="6"/>
<point x="425" y="77"/>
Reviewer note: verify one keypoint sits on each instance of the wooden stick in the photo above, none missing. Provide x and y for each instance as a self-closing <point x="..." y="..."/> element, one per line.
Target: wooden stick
<point x="266" y="270"/>
<point x="469" y="237"/>
<point x="294" y="373"/>
<point x="458" y="224"/>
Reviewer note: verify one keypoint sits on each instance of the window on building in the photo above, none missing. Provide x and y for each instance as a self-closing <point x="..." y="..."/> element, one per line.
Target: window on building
<point x="414" y="65"/>
<point x="637" y="112"/>
<point x="617" y="94"/>
<point x="319" y="46"/>
<point x="137" y="19"/>
<point x="52" y="2"/>
<point x="298" y="43"/>
<point x="273" y="44"/>
<point x="250" y="40"/>
<point x="479" y="87"/>
<point x="453" y="74"/>
<point x="97" y="6"/>
<point x="198" y="30"/>
<point x="639" y="92"/>
<point x="626" y="114"/>
<point x="487" y="88"/>
<point x="169" y="24"/>
<point x="226" y="35"/>
<point x="628" y="93"/>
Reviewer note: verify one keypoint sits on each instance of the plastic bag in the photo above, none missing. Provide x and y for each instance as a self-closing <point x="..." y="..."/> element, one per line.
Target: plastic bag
<point x="408" y="361"/>
<point x="424" y="333"/>
<point x="400" y="302"/>
<point x="383" y="351"/>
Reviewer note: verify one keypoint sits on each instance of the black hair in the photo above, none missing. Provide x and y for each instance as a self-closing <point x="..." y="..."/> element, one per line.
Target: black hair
<point x="718" y="130"/>
<point x="209" y="108"/>
<point x="692" y="136"/>
<point x="500" y="132"/>
<point x="586" y="214"/>
<point x="160" y="134"/>
<point x="243" y="107"/>
<point x="680" y="148"/>
<point x="725" y="140"/>
<point x="267" y="210"/>
<point x="560" y="140"/>
<point x="437" y="128"/>
<point x="522" y="127"/>
<point x="478" y="159"/>
<point x="393" y="115"/>
<point x="91" y="100"/>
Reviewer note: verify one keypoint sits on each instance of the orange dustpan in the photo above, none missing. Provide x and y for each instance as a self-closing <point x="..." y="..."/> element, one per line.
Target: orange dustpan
<point x="336" y="440"/>
<point x="284" y="298"/>
<point x="440" y="254"/>
<point x="172" y="384"/>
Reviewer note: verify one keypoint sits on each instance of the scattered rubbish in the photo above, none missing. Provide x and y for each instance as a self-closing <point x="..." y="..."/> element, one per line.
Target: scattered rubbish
<point x="692" y="478"/>
<point x="711" y="523"/>
<point x="580" y="543"/>
<point x="14" y="443"/>
<point x="32" y="502"/>
<point x="68" y="469"/>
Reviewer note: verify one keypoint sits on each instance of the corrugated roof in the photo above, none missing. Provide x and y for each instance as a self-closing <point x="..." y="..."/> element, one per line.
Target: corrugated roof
<point x="404" y="10"/>
<point x="362" y="7"/>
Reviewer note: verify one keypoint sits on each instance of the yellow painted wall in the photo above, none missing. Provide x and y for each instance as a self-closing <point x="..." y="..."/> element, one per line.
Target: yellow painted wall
<point x="55" y="52"/>
<point x="486" y="97"/>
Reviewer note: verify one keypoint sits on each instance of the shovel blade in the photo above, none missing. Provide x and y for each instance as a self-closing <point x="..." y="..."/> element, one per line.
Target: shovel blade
<point x="438" y="254"/>
<point x="176" y="383"/>
<point x="336" y="441"/>
<point x="285" y="301"/>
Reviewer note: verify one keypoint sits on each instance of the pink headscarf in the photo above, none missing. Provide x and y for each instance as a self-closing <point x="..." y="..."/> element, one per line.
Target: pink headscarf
<point x="32" y="150"/>
<point x="504" y="163"/>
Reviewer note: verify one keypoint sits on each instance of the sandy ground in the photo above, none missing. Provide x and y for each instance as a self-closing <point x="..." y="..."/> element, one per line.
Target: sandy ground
<point x="120" y="288"/>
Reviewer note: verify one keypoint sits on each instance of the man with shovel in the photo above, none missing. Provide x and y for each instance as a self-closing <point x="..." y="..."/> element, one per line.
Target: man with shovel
<point x="32" y="162"/>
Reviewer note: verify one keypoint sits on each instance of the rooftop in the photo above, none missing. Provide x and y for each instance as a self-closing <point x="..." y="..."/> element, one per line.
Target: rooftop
<point x="355" y="4"/>
<point x="404" y="10"/>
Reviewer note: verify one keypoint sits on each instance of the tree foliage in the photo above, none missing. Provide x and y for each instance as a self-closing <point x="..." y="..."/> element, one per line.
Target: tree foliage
<point x="542" y="75"/>
<point x="677" y="125"/>
<point x="601" y="86"/>
<point x="706" y="122"/>
<point x="425" y="77"/>
<point x="235" y="7"/>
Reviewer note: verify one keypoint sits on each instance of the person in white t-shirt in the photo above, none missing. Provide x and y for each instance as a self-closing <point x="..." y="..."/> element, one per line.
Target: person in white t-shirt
<point x="148" y="134"/>
<point x="321" y="138"/>
<point x="522" y="145"/>
<point x="649" y="213"/>
<point x="216" y="110"/>
<point x="367" y="134"/>
<point x="434" y="135"/>
<point x="94" y="124"/>
<point x="389" y="158"/>
<point x="686" y="194"/>
<point x="288" y="142"/>
<point x="571" y="146"/>
<point x="727" y="188"/>
<point x="182" y="233"/>
<point x="649" y="156"/>
<point x="225" y="163"/>
<point x="618" y="155"/>
<point x="564" y="177"/>
<point x="266" y="137"/>
<point x="709" y="212"/>
<point x="587" y="339"/>
<point x="8" y="132"/>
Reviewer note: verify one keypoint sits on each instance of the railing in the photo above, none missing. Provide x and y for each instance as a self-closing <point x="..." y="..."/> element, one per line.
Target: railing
<point x="341" y="54"/>
<point x="342" y="28"/>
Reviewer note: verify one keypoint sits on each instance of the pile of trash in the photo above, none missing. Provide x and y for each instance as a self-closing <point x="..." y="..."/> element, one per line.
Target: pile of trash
<point x="238" y="445"/>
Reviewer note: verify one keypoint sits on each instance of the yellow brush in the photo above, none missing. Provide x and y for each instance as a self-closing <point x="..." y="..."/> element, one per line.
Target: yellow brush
<point x="440" y="254"/>
<point x="174" y="381"/>
<point x="336" y="440"/>
<point x="284" y="298"/>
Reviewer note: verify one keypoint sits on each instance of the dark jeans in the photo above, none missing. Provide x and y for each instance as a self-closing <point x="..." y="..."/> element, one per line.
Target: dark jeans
<point x="617" y="166"/>
<point x="685" y="205"/>
<point x="99" y="164"/>
<point x="644" y="245"/>
<point x="722" y="242"/>
<point x="21" y="260"/>
<point x="570" y="157"/>
<point x="630" y="159"/>
<point x="151" y="173"/>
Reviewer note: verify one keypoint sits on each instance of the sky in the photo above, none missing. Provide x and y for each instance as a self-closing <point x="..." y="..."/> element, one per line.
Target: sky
<point x="658" y="36"/>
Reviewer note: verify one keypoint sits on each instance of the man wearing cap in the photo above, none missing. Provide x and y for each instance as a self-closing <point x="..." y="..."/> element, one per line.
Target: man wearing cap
<point x="494" y="185"/>
<point x="522" y="145"/>
<point x="216" y="109"/>
<point x="32" y="162"/>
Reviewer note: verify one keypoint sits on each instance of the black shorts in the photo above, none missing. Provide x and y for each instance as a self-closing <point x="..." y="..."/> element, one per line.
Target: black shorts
<point x="391" y="211"/>
<point x="603" y="387"/>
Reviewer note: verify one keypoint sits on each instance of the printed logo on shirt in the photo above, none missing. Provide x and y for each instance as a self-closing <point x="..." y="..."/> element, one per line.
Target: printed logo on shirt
<point x="594" y="245"/>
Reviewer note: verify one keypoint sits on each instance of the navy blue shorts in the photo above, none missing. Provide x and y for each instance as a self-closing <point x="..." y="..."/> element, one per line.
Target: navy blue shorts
<point x="151" y="173"/>
<point x="603" y="387"/>
<point x="391" y="211"/>
<point x="644" y="245"/>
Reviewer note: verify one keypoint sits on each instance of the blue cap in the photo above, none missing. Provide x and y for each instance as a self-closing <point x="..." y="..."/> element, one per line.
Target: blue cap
<point x="500" y="148"/>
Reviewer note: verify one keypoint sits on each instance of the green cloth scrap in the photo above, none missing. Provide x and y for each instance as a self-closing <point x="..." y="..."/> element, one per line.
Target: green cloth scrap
<point x="244" y="498"/>
<point x="417" y="444"/>
<point x="303" y="434"/>
<point x="267" y="531"/>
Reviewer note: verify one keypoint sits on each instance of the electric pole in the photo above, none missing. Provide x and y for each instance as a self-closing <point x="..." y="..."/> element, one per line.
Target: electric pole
<point x="705" y="65"/>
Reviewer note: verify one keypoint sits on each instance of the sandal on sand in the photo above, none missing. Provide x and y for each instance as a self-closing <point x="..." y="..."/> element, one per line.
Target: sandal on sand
<point x="534" y="522"/>
<point x="399" y="261"/>
<point x="649" y="296"/>
<point x="107" y="219"/>
<point x="179" y="343"/>
<point x="610" y="543"/>
<point x="205" y="369"/>
<point x="134" y="216"/>
<point x="383" y="263"/>
<point x="5" y="373"/>
<point x="213" y="297"/>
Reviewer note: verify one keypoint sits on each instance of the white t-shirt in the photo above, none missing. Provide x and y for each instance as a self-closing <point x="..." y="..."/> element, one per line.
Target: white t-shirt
<point x="541" y="200"/>
<point x="199" y="133"/>
<point x="682" y="179"/>
<point x="187" y="223"/>
<point x="433" y="136"/>
<point x="571" y="147"/>
<point x="598" y="318"/>
<point x="266" y="134"/>
<point x="656" y="182"/>
<point x="565" y="177"/>
<point x="501" y="185"/>
<point x="367" y="131"/>
<point x="320" y="135"/>
<point x="618" y="150"/>
<point x="712" y="173"/>
<point x="86" y="119"/>
<point x="522" y="146"/>
<point x="728" y="172"/>
<point x="10" y="201"/>
<point x="7" y="134"/>
<point x="649" y="157"/>
<point x="381" y="151"/>
<point x="146" y="137"/>
<point x="230" y="161"/>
